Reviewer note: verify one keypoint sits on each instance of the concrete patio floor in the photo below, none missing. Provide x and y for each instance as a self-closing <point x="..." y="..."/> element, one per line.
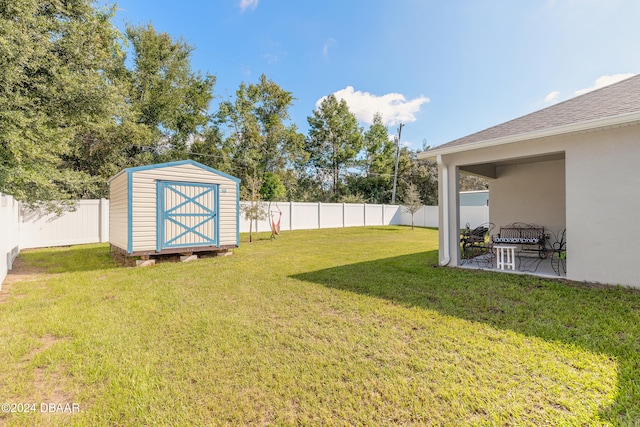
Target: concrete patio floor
<point x="524" y="265"/>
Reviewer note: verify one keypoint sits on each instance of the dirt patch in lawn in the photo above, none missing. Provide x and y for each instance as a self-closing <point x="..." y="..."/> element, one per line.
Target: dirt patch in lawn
<point x="48" y="384"/>
<point x="51" y="392"/>
<point x="21" y="272"/>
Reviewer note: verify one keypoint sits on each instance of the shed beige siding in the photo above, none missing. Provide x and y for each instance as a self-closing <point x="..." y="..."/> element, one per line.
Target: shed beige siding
<point x="144" y="202"/>
<point x="118" y="211"/>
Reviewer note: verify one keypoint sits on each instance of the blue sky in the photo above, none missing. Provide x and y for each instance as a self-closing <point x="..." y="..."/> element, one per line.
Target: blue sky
<point x="443" y="68"/>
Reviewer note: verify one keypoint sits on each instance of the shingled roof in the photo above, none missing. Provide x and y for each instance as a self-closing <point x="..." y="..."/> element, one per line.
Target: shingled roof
<point x="610" y="101"/>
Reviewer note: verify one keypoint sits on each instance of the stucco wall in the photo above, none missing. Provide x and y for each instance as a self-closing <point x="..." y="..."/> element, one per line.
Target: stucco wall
<point x="533" y="193"/>
<point x="603" y="207"/>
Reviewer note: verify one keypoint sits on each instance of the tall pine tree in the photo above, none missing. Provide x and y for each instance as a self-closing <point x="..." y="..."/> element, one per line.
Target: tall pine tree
<point x="334" y="139"/>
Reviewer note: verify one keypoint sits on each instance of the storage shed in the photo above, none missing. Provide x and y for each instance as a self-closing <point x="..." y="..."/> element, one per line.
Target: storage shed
<point x="173" y="207"/>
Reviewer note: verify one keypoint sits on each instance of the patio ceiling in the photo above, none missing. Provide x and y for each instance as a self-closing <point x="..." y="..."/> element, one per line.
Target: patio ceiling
<point x="488" y="169"/>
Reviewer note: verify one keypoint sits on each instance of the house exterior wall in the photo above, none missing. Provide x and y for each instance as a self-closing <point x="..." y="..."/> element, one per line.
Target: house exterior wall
<point x="144" y="199"/>
<point x="602" y="237"/>
<point x="533" y="193"/>
<point x="598" y="165"/>
<point x="118" y="211"/>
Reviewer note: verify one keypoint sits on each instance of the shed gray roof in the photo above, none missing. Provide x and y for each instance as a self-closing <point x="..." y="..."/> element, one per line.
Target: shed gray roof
<point x="610" y="101"/>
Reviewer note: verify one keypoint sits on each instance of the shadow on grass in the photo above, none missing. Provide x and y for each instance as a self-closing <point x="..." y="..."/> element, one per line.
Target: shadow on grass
<point x="66" y="259"/>
<point x="600" y="319"/>
<point x="379" y="228"/>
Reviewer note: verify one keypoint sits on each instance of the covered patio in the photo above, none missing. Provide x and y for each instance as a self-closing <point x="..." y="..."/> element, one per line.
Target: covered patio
<point x="570" y="167"/>
<point x="530" y="193"/>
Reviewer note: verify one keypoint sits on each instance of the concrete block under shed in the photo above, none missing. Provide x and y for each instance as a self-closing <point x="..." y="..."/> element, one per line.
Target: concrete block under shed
<point x="187" y="258"/>
<point x="224" y="253"/>
<point x="145" y="262"/>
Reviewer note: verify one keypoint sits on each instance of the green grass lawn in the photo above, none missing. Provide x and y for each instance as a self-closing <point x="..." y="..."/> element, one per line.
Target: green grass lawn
<point x="326" y="327"/>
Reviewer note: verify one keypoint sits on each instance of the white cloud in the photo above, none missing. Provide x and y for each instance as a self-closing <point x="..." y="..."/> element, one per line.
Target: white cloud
<point x="271" y="58"/>
<point x="246" y="70"/>
<point x="394" y="107"/>
<point x="552" y="97"/>
<point x="248" y="4"/>
<point x="327" y="45"/>
<point x="603" y="81"/>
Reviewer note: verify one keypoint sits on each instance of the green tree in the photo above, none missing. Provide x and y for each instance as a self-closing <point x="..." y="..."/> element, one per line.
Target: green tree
<point x="272" y="188"/>
<point x="334" y="139"/>
<point x="165" y="94"/>
<point x="470" y="182"/>
<point x="421" y="173"/>
<point x="303" y="186"/>
<point x="379" y="149"/>
<point x="254" y="209"/>
<point x="352" y="198"/>
<point x="371" y="188"/>
<point x="259" y="139"/>
<point x="210" y="149"/>
<point x="162" y="112"/>
<point x="57" y="64"/>
<point x="412" y="201"/>
<point x="102" y="150"/>
<point x="376" y="181"/>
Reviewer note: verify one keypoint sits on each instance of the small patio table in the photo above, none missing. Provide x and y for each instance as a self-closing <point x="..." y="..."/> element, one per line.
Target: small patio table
<point x="506" y="256"/>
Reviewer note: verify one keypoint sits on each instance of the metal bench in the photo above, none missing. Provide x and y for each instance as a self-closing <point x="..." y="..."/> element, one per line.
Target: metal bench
<point x="530" y="238"/>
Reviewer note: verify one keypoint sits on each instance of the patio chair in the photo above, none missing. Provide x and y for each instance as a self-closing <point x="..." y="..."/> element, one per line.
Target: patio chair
<point x="559" y="253"/>
<point x="476" y="244"/>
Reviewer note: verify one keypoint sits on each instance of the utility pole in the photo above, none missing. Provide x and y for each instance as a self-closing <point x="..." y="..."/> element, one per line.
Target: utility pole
<point x="395" y="173"/>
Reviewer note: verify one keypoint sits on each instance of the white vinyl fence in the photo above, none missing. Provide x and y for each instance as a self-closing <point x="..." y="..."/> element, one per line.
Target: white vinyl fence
<point x="427" y="216"/>
<point x="9" y="237"/>
<point x="89" y="223"/>
<point x="305" y="216"/>
<point x="21" y="228"/>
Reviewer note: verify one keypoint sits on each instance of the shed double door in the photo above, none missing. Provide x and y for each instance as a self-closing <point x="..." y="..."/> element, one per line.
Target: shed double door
<point x="187" y="215"/>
